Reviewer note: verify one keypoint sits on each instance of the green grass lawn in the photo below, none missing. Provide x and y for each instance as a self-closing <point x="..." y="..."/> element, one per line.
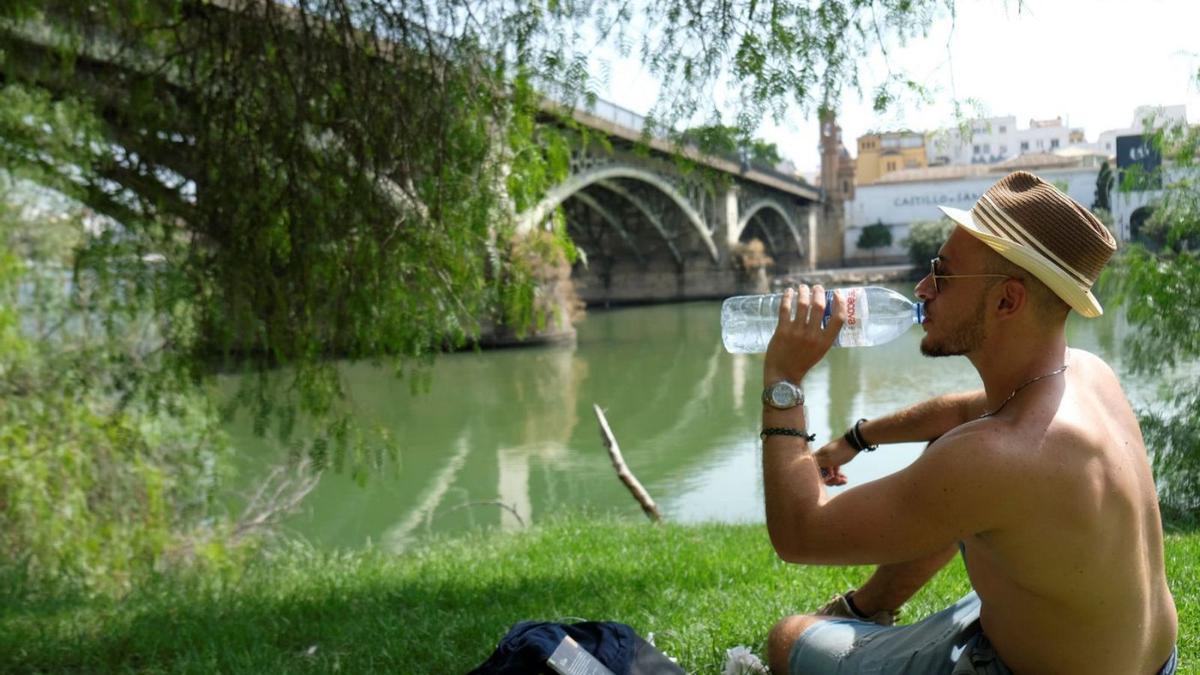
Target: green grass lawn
<point x="699" y="589"/>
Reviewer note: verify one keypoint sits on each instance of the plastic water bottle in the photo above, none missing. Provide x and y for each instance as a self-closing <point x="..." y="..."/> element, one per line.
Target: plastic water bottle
<point x="874" y="316"/>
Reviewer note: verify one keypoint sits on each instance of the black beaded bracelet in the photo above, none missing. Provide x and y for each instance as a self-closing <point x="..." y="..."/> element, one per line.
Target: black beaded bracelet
<point x="854" y="437"/>
<point x="787" y="431"/>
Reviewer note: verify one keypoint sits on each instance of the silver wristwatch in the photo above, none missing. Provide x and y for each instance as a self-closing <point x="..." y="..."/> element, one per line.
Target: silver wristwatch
<point x="783" y="395"/>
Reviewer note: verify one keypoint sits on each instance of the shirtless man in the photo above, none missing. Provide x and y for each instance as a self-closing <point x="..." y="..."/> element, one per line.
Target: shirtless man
<point x="1041" y="478"/>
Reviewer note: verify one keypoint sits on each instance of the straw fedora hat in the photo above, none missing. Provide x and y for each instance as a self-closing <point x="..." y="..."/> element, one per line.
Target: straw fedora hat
<point x="1040" y="229"/>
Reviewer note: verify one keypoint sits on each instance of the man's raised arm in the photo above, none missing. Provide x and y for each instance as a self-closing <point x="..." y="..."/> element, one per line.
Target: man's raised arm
<point x="942" y="494"/>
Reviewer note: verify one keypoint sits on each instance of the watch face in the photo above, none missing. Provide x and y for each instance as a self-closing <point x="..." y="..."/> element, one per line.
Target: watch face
<point x="784" y="395"/>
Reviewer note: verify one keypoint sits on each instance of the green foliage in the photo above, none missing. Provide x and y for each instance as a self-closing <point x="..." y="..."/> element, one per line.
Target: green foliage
<point x="731" y="142"/>
<point x="873" y="237"/>
<point x="97" y="490"/>
<point x="294" y="221"/>
<point x="1104" y="186"/>
<point x="1158" y="290"/>
<point x="924" y="239"/>
<point x="781" y="54"/>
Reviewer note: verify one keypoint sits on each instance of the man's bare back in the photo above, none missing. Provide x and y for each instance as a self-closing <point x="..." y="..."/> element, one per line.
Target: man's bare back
<point x="1064" y="586"/>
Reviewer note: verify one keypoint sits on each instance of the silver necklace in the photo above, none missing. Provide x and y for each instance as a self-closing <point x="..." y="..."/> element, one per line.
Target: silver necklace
<point x="1018" y="389"/>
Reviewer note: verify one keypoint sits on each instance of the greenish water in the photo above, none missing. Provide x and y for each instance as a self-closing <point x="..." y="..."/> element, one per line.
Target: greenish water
<point x="516" y="426"/>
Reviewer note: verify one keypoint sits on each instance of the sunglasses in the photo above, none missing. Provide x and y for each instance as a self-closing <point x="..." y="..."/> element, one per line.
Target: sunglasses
<point x="933" y="274"/>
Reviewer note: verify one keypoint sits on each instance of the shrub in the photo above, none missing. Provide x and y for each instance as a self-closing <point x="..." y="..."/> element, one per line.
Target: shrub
<point x="924" y="240"/>
<point x="873" y="237"/>
<point x="97" y="488"/>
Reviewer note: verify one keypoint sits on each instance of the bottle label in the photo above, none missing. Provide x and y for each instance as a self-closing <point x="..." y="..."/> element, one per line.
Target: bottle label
<point x="854" y="332"/>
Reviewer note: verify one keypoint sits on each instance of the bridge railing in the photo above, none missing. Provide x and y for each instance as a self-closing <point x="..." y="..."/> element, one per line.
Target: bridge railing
<point x="627" y="119"/>
<point x="618" y="115"/>
<point x="624" y="117"/>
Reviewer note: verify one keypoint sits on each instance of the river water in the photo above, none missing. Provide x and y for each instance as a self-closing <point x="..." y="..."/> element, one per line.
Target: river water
<point x="515" y="426"/>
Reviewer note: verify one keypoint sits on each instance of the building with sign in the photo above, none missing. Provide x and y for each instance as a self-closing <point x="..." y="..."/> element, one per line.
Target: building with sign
<point x="903" y="198"/>
<point x="958" y="172"/>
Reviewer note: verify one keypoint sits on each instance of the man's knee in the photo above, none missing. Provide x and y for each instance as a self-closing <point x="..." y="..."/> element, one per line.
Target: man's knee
<point x="782" y="637"/>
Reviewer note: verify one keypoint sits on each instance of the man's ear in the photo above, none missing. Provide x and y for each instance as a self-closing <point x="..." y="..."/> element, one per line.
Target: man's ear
<point x="1013" y="297"/>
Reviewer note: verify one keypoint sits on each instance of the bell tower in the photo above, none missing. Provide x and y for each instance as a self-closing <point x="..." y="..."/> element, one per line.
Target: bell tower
<point x="837" y="185"/>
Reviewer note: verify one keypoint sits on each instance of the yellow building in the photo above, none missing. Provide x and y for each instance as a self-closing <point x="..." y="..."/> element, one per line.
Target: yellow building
<point x="883" y="153"/>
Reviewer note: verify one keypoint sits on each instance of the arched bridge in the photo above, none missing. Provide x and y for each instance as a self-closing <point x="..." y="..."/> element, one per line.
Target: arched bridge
<point x="649" y="230"/>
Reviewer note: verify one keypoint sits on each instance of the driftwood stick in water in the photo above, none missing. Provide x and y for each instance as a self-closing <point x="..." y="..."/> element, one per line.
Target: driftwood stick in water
<point x="614" y="452"/>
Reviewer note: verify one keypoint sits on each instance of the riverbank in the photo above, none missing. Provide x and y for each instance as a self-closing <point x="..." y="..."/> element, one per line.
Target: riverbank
<point x="700" y="589"/>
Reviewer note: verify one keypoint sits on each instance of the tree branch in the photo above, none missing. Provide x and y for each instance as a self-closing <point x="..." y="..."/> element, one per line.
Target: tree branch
<point x="614" y="452"/>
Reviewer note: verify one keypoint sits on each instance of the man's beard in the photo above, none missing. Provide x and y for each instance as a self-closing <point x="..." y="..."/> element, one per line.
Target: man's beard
<point x="964" y="338"/>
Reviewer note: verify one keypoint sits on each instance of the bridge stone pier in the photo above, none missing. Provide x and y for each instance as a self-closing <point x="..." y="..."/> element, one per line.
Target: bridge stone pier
<point x="649" y="230"/>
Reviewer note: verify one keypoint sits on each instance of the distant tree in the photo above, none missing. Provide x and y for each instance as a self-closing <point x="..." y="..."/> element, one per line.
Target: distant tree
<point x="1104" y="186"/>
<point x="874" y="237"/>
<point x="924" y="239"/>
<point x="719" y="139"/>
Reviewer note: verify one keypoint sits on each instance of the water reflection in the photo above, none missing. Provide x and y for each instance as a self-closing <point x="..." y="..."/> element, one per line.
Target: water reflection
<point x="504" y="438"/>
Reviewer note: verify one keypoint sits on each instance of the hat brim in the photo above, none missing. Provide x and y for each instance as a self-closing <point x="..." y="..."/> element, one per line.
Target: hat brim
<point x="1080" y="299"/>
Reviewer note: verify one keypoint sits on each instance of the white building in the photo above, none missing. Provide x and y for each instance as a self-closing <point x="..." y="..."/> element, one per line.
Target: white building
<point x="1157" y="115"/>
<point x="900" y="199"/>
<point x="997" y="139"/>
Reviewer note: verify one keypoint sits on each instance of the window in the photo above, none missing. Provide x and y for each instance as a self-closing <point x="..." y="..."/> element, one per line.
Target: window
<point x="1004" y="149"/>
<point x="1053" y="143"/>
<point x="1003" y="129"/>
<point x="891" y="166"/>
<point x="976" y="149"/>
<point x="1024" y="146"/>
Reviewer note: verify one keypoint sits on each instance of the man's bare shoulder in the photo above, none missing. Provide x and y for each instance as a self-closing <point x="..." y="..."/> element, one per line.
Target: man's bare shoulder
<point x="983" y="439"/>
<point x="1097" y="406"/>
<point x="984" y="457"/>
<point x="1091" y="366"/>
<point x="976" y="459"/>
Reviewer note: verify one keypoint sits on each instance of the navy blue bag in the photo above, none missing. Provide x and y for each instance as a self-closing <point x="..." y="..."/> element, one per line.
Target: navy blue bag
<point x="524" y="650"/>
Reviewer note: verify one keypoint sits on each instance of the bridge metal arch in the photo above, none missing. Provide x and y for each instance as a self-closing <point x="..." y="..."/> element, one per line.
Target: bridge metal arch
<point x="775" y="206"/>
<point x="649" y="215"/>
<point x="612" y="220"/>
<point x="575" y="184"/>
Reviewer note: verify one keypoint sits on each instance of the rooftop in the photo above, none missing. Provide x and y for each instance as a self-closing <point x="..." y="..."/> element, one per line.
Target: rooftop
<point x="947" y="172"/>
<point x="1032" y="161"/>
<point x="1035" y="160"/>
